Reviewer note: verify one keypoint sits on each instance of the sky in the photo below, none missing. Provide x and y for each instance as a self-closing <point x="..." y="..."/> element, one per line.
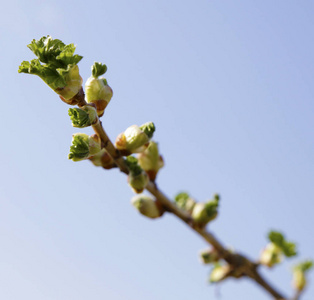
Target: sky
<point x="229" y="87"/>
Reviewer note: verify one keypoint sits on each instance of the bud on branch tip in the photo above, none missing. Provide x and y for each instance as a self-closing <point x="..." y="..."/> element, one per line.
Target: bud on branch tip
<point x="56" y="65"/>
<point x="97" y="89"/>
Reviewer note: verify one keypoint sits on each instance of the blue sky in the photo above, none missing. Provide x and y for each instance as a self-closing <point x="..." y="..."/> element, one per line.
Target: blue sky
<point x="229" y="87"/>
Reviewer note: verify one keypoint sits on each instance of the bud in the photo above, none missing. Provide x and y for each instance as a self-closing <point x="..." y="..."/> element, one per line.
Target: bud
<point x="137" y="178"/>
<point x="299" y="279"/>
<point x="219" y="273"/>
<point x="59" y="67"/>
<point x="84" y="146"/>
<point x="147" y="206"/>
<point x="73" y="84"/>
<point x="134" y="139"/>
<point x="205" y="212"/>
<point x="148" y="128"/>
<point x="271" y="255"/>
<point x="184" y="201"/>
<point x="209" y="256"/>
<point x="97" y="89"/>
<point x="103" y="159"/>
<point x="150" y="160"/>
<point x="288" y="248"/>
<point x="83" y="117"/>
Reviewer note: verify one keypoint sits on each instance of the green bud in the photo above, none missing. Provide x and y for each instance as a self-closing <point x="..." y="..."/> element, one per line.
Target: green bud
<point x="73" y="84"/>
<point x="133" y="166"/>
<point x="209" y="256"/>
<point x="137" y="178"/>
<point x="103" y="159"/>
<point x="150" y="160"/>
<point x="56" y="65"/>
<point x="149" y="129"/>
<point x="84" y="146"/>
<point x="147" y="206"/>
<point x="288" y="248"/>
<point x="138" y="182"/>
<point x="184" y="201"/>
<point x="219" y="273"/>
<point x="97" y="89"/>
<point x="205" y="212"/>
<point x="132" y="140"/>
<point x="299" y="275"/>
<point x="271" y="255"/>
<point x="83" y="117"/>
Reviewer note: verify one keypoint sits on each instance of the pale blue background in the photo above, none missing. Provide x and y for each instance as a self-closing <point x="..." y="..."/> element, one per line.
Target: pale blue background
<point x="229" y="85"/>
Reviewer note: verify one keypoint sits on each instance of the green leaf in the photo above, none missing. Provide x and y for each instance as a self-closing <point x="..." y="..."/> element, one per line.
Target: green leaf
<point x="98" y="69"/>
<point x="133" y="165"/>
<point x="212" y="208"/>
<point x="46" y="73"/>
<point x="148" y="128"/>
<point x="54" y="52"/>
<point x="79" y="149"/>
<point x="79" y="117"/>
<point x="288" y="248"/>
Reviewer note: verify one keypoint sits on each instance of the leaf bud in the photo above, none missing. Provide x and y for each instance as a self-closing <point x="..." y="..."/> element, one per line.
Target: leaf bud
<point x="134" y="139"/>
<point x="73" y="84"/>
<point x="299" y="275"/>
<point x="185" y="202"/>
<point x="219" y="273"/>
<point x="56" y="65"/>
<point x="97" y="89"/>
<point x="103" y="159"/>
<point x="149" y="129"/>
<point x="271" y="255"/>
<point x="84" y="146"/>
<point x="147" y="206"/>
<point x="209" y="256"/>
<point x="150" y="160"/>
<point x="205" y="212"/>
<point x="83" y="117"/>
<point x="137" y="178"/>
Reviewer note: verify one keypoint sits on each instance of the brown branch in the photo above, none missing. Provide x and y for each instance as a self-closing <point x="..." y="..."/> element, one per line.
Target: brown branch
<point x="241" y="265"/>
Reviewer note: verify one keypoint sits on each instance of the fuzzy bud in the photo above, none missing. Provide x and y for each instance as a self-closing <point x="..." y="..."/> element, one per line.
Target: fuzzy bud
<point x="271" y="255"/>
<point x="83" y="117"/>
<point x="219" y="273"/>
<point x="209" y="256"/>
<point x="205" y="212"/>
<point x="137" y="178"/>
<point x="150" y="160"/>
<point x="134" y="139"/>
<point x="84" y="146"/>
<point x="73" y="85"/>
<point x="299" y="275"/>
<point x="103" y="159"/>
<point x="147" y="206"/>
<point x="185" y="202"/>
<point x="97" y="89"/>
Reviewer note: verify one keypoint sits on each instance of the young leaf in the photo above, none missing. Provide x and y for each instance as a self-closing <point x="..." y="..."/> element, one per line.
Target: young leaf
<point x="98" y="69"/>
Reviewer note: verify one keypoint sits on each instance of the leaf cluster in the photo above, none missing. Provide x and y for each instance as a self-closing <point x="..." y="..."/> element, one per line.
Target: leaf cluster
<point x="288" y="248"/>
<point x="55" y="59"/>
